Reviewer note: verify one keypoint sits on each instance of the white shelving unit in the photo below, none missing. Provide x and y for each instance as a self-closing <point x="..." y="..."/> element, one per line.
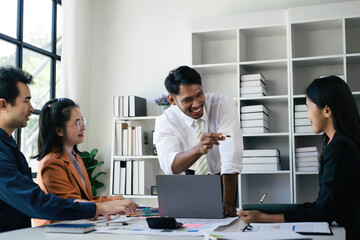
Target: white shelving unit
<point x="147" y="124"/>
<point x="290" y="48"/>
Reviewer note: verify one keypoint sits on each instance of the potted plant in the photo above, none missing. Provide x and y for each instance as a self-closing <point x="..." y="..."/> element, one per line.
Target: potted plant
<point x="90" y="164"/>
<point x="162" y="102"/>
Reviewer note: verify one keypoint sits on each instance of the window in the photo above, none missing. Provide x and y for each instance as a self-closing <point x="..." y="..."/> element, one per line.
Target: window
<point x="31" y="39"/>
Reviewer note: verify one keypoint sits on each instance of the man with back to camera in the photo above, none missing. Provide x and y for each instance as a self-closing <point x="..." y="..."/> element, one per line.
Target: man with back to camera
<point x="202" y="133"/>
<point x="20" y="197"/>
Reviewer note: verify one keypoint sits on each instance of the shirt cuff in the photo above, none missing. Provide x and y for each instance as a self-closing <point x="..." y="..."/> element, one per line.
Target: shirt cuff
<point x="231" y="168"/>
<point x="89" y="208"/>
<point x="167" y="166"/>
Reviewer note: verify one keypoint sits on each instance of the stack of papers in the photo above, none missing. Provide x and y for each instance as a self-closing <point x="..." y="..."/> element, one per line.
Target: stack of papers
<point x="308" y="228"/>
<point x="138" y="225"/>
<point x="265" y="235"/>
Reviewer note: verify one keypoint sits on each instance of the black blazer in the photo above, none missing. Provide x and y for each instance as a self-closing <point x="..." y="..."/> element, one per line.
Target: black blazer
<point x="339" y="194"/>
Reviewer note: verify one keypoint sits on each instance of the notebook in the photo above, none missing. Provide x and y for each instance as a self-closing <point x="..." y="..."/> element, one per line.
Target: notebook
<point x="190" y="196"/>
<point x="69" y="228"/>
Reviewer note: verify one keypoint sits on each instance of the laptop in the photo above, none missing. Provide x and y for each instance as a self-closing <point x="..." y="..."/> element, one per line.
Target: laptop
<point x="190" y="196"/>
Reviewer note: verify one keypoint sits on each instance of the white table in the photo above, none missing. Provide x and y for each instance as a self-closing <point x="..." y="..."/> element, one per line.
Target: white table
<point x="39" y="234"/>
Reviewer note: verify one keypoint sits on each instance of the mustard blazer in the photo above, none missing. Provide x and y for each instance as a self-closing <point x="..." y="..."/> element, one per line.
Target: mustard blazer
<point x="58" y="175"/>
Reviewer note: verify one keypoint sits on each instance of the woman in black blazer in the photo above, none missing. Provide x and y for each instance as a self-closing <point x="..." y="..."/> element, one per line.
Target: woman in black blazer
<point x="332" y="110"/>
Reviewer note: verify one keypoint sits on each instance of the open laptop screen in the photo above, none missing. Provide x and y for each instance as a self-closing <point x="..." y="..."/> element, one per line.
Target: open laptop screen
<point x="190" y="196"/>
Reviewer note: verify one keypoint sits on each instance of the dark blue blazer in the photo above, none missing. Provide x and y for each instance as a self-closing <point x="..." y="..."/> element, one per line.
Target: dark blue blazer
<point x="21" y="199"/>
<point x="339" y="194"/>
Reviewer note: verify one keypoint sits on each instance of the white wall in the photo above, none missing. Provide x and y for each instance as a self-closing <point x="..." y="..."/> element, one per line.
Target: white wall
<point x="134" y="45"/>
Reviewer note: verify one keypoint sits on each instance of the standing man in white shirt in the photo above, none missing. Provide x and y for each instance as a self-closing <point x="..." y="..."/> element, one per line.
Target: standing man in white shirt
<point x="200" y="132"/>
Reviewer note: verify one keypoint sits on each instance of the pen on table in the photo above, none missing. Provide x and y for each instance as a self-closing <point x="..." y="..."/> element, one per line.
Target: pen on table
<point x="263" y="198"/>
<point x="117" y="223"/>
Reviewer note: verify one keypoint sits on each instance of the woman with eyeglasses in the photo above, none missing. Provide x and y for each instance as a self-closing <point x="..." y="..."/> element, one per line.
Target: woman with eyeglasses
<point x="61" y="170"/>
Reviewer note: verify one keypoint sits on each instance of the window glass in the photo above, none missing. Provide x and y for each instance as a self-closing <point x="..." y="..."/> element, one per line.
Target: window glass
<point x="58" y="78"/>
<point x="8" y="16"/>
<point x="38" y="66"/>
<point x="29" y="137"/>
<point x="7" y="53"/>
<point x="37" y="23"/>
<point x="59" y="30"/>
<point x="37" y="30"/>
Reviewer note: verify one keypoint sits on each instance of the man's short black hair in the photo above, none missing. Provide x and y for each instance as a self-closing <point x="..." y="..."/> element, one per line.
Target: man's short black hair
<point x="9" y="77"/>
<point x="179" y="76"/>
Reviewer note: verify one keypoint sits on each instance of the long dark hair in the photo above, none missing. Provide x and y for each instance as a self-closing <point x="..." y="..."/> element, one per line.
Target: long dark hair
<point x="336" y="94"/>
<point x="55" y="113"/>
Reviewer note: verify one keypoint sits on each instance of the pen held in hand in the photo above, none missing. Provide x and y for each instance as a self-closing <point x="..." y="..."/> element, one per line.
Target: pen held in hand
<point x="226" y="136"/>
<point x="263" y="198"/>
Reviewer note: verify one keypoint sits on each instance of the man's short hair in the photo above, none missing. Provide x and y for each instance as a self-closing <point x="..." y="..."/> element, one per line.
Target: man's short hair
<point x="181" y="76"/>
<point x="9" y="77"/>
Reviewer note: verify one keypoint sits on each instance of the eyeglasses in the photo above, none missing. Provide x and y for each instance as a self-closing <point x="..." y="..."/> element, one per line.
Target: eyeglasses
<point x="80" y="124"/>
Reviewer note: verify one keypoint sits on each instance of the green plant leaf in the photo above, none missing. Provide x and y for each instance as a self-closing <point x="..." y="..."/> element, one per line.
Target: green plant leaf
<point x="95" y="165"/>
<point x="93" y="152"/>
<point x="85" y="155"/>
<point x="91" y="164"/>
<point x="98" y="174"/>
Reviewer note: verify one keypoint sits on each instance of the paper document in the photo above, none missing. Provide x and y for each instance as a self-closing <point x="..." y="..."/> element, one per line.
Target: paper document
<point x="138" y="225"/>
<point x="299" y="227"/>
<point x="265" y="235"/>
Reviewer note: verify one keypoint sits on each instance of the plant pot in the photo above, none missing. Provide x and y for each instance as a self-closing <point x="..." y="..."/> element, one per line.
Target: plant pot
<point x="163" y="108"/>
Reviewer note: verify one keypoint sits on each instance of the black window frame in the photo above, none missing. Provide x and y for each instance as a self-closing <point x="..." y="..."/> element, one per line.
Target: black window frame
<point x="21" y="45"/>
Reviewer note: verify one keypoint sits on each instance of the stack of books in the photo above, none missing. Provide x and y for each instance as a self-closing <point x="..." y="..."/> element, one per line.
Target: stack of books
<point x="261" y="160"/>
<point x="252" y="85"/>
<point x="302" y="123"/>
<point x="129" y="106"/>
<point x="306" y="159"/>
<point x="254" y="119"/>
<point x="133" y="177"/>
<point x="131" y="140"/>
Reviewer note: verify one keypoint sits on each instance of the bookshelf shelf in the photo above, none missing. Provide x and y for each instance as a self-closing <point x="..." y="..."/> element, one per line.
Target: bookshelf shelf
<point x="299" y="96"/>
<point x="318" y="60"/>
<point x="267" y="172"/>
<point x="140" y="196"/>
<point x="216" y="68"/>
<point x="267" y="135"/>
<point x="353" y="55"/>
<point x="136" y="118"/>
<point x="306" y="173"/>
<point x="307" y="134"/>
<point x="135" y="157"/>
<point x="265" y="98"/>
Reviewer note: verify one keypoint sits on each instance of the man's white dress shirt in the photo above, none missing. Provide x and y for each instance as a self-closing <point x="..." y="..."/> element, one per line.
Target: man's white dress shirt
<point x="175" y="132"/>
